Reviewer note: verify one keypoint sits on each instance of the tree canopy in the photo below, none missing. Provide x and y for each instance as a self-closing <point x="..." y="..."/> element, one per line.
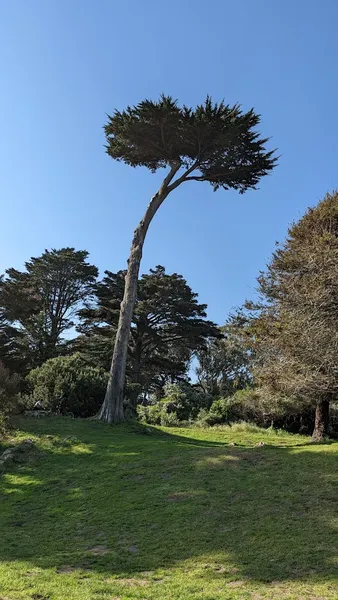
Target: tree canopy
<point x="214" y="142"/>
<point x="168" y="325"/>
<point x="295" y="323"/>
<point x="224" y="363"/>
<point x="40" y="303"/>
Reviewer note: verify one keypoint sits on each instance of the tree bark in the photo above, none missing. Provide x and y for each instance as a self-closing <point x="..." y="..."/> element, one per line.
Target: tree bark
<point x="112" y="407"/>
<point x="321" y="420"/>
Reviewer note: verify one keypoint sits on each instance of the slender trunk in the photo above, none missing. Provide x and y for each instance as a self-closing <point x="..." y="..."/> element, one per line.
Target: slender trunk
<point x="112" y="407"/>
<point x="321" y="420"/>
<point x="134" y="392"/>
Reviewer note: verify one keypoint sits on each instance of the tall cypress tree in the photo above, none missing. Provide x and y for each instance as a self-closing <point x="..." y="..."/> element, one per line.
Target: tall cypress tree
<point x="214" y="143"/>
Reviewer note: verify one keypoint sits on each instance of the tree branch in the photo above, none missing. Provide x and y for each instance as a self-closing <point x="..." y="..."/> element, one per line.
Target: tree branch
<point x="212" y="176"/>
<point x="183" y="177"/>
<point x="174" y="167"/>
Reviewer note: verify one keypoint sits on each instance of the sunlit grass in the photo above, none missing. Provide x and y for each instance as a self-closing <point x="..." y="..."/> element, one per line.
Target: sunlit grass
<point x="132" y="512"/>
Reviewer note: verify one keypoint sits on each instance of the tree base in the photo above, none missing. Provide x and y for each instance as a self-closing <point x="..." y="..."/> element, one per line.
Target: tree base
<point x="111" y="412"/>
<point x="322" y="417"/>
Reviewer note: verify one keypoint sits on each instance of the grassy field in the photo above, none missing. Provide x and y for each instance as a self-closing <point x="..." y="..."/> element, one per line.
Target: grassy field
<point x="132" y="512"/>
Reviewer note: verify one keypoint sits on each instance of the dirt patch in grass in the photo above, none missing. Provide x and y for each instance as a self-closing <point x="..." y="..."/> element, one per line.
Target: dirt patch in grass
<point x="178" y="496"/>
<point x="65" y="569"/>
<point x="131" y="582"/>
<point x="221" y="570"/>
<point x="99" y="550"/>
<point x="236" y="584"/>
<point x="31" y="574"/>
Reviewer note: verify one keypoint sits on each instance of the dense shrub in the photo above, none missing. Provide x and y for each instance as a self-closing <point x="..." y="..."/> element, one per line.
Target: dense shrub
<point x="151" y="413"/>
<point x="185" y="400"/>
<point x="181" y="403"/>
<point x="265" y="408"/>
<point x="170" y="419"/>
<point x="159" y="413"/>
<point x="249" y="405"/>
<point x="219" y="411"/>
<point x="9" y="394"/>
<point x="216" y="415"/>
<point x="66" y="384"/>
<point x="259" y="406"/>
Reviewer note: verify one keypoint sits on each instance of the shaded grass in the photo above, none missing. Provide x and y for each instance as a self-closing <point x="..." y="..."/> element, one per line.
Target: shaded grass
<point x="134" y="512"/>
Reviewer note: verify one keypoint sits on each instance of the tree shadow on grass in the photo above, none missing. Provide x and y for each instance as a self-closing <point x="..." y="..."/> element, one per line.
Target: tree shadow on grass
<point x="118" y="502"/>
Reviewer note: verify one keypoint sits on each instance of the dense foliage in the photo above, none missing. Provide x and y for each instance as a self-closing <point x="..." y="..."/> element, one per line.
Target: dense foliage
<point x="67" y="385"/>
<point x="274" y="363"/>
<point x="168" y="325"/>
<point x="38" y="305"/>
<point x="215" y="142"/>
<point x="9" y="394"/>
<point x="294" y="326"/>
<point x="224" y="363"/>
<point x="181" y="403"/>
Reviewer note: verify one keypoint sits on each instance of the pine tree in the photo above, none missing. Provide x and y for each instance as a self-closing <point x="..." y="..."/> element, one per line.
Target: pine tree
<point x="168" y="325"/>
<point x="41" y="302"/>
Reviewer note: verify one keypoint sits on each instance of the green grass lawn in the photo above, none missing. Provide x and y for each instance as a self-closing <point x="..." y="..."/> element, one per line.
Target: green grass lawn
<point x="132" y="512"/>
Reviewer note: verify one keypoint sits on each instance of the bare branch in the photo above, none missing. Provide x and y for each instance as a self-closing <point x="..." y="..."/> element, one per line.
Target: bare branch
<point x="196" y="178"/>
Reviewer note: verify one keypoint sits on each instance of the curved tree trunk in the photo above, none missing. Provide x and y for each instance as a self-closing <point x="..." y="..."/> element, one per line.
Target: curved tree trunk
<point x="321" y="420"/>
<point x="112" y="408"/>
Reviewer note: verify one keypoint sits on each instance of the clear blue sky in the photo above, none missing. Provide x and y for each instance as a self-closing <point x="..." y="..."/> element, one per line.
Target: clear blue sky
<point x="65" y="63"/>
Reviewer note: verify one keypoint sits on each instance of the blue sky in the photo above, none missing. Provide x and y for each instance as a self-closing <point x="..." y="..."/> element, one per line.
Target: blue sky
<point x="66" y="63"/>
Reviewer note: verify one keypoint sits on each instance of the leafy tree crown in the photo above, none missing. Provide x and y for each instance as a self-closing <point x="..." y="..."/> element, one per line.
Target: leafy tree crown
<point x="214" y="142"/>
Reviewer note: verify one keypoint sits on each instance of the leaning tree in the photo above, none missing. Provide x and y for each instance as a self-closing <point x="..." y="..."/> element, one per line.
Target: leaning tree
<point x="214" y="142"/>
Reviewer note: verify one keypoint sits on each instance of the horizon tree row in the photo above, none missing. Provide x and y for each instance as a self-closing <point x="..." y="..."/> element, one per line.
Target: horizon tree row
<point x="56" y="307"/>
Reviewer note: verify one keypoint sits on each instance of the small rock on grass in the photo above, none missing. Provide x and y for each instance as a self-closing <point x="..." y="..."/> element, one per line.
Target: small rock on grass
<point x="10" y="455"/>
<point x="25" y="445"/>
<point x="7" y="456"/>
